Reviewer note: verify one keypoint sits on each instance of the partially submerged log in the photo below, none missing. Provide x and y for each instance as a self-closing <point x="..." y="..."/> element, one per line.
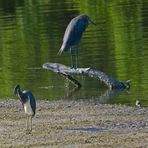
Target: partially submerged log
<point x="67" y="71"/>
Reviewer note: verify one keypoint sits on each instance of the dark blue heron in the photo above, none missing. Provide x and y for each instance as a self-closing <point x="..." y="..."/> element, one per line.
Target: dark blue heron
<point x="29" y="104"/>
<point x="73" y="34"/>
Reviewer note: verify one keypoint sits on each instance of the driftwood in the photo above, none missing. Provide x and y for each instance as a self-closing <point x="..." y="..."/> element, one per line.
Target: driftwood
<point x="67" y="71"/>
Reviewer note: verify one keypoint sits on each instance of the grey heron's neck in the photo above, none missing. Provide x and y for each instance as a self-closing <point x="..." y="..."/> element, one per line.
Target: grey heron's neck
<point x="20" y="95"/>
<point x="19" y="92"/>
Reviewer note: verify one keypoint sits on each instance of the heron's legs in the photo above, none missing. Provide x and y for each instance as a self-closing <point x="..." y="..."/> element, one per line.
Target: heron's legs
<point x="27" y="124"/>
<point x="31" y="123"/>
<point x="71" y="59"/>
<point x="76" y="58"/>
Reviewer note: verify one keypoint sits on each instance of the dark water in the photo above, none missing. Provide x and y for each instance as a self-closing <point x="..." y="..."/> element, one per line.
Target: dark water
<point x="31" y="34"/>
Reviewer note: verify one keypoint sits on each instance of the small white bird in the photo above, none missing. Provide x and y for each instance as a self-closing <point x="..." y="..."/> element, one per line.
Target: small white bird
<point x="138" y="103"/>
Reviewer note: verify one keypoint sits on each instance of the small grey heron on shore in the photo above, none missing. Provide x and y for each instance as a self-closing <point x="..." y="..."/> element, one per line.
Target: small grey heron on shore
<point x="29" y="104"/>
<point x="73" y="34"/>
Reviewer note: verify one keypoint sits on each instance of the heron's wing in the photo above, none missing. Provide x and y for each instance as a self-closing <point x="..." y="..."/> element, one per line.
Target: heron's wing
<point x="23" y="98"/>
<point x="74" y="32"/>
<point x="32" y="101"/>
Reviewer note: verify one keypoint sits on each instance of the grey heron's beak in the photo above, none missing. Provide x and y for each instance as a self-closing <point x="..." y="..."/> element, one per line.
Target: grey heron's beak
<point x="91" y="22"/>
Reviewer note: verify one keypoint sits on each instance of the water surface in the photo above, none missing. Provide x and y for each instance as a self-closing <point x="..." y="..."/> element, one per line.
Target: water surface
<point x="31" y="34"/>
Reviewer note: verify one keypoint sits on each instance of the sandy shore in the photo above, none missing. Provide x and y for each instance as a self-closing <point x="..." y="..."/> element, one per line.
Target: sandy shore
<point x="68" y="124"/>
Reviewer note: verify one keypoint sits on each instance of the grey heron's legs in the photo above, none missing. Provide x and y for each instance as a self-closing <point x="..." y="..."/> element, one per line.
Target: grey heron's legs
<point x="30" y="123"/>
<point x="76" y="58"/>
<point x="27" y="124"/>
<point x="71" y="59"/>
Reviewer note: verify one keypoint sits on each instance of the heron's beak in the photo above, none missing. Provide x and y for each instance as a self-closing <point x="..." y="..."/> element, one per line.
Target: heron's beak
<point x="91" y="22"/>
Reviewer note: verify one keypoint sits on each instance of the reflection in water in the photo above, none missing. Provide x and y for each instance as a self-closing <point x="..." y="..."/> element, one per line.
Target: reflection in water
<point x="31" y="33"/>
<point x="104" y="97"/>
<point x="108" y="94"/>
<point x="70" y="93"/>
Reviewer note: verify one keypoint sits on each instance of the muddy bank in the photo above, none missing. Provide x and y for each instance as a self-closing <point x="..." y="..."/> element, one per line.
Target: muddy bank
<point x="74" y="124"/>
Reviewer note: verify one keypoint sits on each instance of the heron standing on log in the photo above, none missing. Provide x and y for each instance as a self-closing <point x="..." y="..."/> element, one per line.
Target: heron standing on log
<point x="73" y="34"/>
<point x="29" y="104"/>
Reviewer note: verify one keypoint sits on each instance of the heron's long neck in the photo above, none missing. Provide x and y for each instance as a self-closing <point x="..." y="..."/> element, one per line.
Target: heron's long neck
<point x="20" y="94"/>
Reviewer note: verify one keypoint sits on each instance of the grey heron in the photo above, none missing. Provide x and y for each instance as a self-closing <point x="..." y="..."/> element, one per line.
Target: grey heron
<point x="73" y="34"/>
<point x="29" y="104"/>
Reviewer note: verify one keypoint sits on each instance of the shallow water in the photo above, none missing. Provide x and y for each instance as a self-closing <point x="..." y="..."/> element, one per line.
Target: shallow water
<point x="31" y="34"/>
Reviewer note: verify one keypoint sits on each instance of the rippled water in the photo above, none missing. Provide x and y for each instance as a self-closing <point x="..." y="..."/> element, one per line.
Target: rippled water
<point x="31" y="34"/>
